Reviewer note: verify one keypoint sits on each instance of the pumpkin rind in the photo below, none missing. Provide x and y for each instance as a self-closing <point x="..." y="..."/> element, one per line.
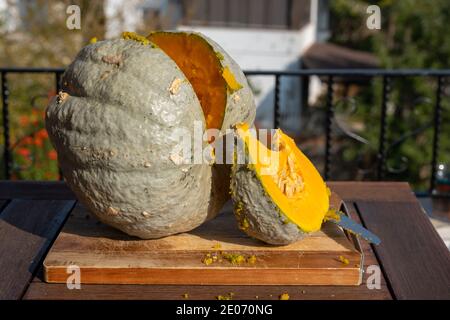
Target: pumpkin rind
<point x="256" y="213"/>
<point x="114" y="132"/>
<point x="240" y="103"/>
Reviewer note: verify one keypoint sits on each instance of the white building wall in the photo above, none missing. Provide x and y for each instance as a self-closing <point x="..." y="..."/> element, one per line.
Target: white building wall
<point x="122" y="16"/>
<point x="10" y="14"/>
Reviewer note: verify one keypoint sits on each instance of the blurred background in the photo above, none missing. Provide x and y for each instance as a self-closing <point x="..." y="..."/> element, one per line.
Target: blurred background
<point x="356" y="126"/>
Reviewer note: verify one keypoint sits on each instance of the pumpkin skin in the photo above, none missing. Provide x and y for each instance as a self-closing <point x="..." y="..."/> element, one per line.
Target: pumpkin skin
<point x="274" y="212"/>
<point x="113" y="131"/>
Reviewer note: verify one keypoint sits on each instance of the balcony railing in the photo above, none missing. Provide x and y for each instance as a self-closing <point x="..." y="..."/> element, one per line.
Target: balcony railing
<point x="439" y="76"/>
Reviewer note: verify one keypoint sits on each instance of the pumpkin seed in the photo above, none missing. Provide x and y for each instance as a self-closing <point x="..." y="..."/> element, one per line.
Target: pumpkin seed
<point x="112" y="211"/>
<point x="62" y="96"/>
<point x="176" y="158"/>
<point x="175" y="86"/>
<point x="115" y="60"/>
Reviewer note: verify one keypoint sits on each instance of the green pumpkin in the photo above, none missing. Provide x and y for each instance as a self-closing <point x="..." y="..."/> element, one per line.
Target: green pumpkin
<point x="114" y="126"/>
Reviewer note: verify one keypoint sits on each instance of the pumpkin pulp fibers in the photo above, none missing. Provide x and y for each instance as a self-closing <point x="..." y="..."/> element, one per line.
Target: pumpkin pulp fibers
<point x="201" y="65"/>
<point x="289" y="179"/>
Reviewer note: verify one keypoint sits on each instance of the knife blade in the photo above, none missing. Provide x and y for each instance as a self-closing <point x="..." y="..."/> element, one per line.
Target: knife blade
<point x="353" y="227"/>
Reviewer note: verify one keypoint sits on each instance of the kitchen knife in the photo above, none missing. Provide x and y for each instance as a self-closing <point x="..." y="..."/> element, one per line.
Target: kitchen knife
<point x="353" y="227"/>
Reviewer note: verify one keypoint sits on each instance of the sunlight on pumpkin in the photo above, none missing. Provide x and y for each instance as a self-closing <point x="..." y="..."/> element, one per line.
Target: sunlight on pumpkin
<point x="201" y="65"/>
<point x="289" y="178"/>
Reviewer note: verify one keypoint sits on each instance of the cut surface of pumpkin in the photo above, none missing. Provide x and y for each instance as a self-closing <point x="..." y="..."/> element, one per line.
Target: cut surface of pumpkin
<point x="202" y="67"/>
<point x="288" y="177"/>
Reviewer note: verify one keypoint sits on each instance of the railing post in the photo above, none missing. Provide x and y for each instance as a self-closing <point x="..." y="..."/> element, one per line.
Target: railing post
<point x="276" y="115"/>
<point x="7" y="158"/>
<point x="289" y="14"/>
<point x="383" y="128"/>
<point x="437" y="131"/>
<point x="57" y="82"/>
<point x="328" y="123"/>
<point x="58" y="89"/>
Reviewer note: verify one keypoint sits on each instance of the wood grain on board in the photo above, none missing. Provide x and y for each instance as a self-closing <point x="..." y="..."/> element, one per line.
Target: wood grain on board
<point x="107" y="256"/>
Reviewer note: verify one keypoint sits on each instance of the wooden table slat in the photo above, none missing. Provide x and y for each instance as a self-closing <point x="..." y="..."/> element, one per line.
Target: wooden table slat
<point x="40" y="290"/>
<point x="37" y="190"/>
<point x="372" y="191"/>
<point x="414" y="258"/>
<point x="350" y="191"/>
<point x="27" y="228"/>
<point x="3" y="203"/>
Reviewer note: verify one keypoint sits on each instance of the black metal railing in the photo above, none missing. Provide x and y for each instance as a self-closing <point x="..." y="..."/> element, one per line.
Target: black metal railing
<point x="330" y="75"/>
<point x="387" y="75"/>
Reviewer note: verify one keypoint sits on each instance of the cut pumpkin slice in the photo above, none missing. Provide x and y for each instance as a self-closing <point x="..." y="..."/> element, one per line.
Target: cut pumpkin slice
<point x="279" y="195"/>
<point x="205" y="66"/>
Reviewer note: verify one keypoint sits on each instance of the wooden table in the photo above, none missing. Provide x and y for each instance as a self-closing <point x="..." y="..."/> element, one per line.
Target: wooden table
<point x="414" y="261"/>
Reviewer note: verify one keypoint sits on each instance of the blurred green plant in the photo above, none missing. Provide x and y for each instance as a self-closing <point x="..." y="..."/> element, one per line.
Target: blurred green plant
<point x="413" y="35"/>
<point x="39" y="38"/>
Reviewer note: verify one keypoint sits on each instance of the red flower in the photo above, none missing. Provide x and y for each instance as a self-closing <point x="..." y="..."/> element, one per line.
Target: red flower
<point x="38" y="142"/>
<point x="43" y="134"/>
<point x="24" y="152"/>
<point x="52" y="155"/>
<point x="24" y="120"/>
<point x="27" y="140"/>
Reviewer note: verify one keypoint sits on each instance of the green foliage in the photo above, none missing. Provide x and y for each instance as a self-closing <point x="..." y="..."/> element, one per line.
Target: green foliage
<point x="413" y="35"/>
<point x="41" y="39"/>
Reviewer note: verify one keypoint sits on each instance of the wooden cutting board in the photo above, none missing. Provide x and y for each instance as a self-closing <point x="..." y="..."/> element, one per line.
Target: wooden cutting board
<point x="107" y="256"/>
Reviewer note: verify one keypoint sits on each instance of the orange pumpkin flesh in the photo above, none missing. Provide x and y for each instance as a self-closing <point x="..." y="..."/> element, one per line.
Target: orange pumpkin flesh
<point x="288" y="178"/>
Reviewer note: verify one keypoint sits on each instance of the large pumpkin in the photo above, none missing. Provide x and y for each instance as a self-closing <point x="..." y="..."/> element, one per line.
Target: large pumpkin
<point x="279" y="195"/>
<point x="116" y="120"/>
